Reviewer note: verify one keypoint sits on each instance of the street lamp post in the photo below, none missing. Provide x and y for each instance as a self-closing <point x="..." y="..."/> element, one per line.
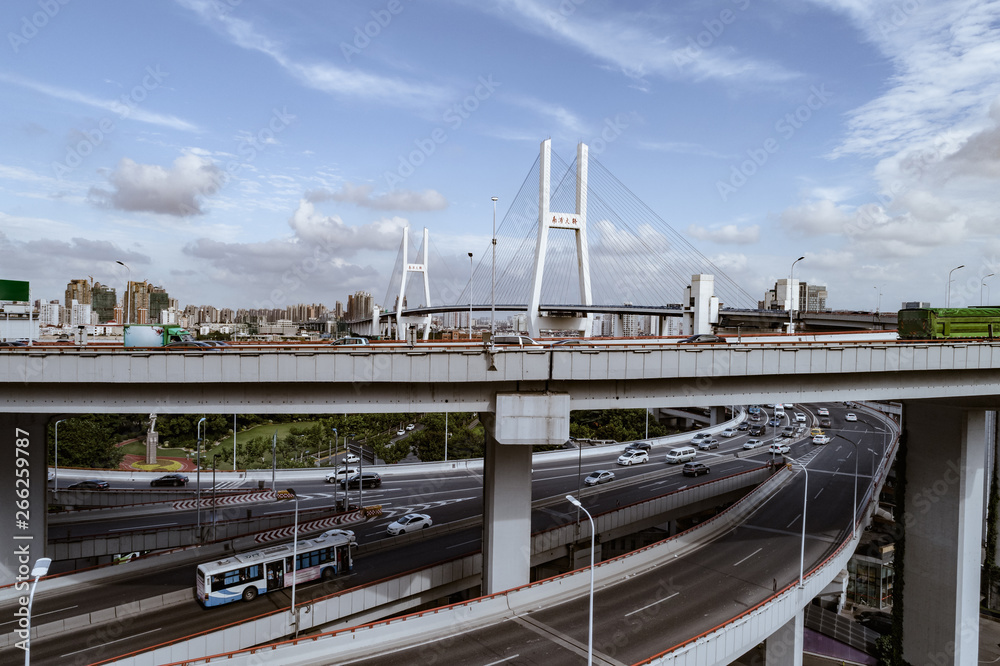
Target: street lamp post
<point x="470" y="297"/>
<point x="336" y="443"/>
<point x="590" y="623"/>
<point x="215" y="464"/>
<point x="198" y="477"/>
<point x="791" y="302"/>
<point x="55" y="478"/>
<point x="854" y="512"/>
<point x="805" y="497"/>
<point x="947" y="300"/>
<point x="493" y="285"/>
<point x="41" y="568"/>
<point x="982" y="283"/>
<point x="295" y="558"/>
<point x="125" y="300"/>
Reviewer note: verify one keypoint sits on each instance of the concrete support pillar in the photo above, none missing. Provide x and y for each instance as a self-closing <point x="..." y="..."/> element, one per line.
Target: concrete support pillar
<point x="506" y="512"/>
<point x="946" y="448"/>
<point x="716" y="415"/>
<point x="784" y="647"/>
<point x="24" y="478"/>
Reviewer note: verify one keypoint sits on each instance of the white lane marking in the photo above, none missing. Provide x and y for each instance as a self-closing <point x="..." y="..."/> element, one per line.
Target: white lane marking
<point x="493" y="663"/>
<point x="41" y="614"/>
<point x="140" y="527"/>
<point x="794" y="520"/>
<point x="639" y="610"/>
<point x="817" y="494"/>
<point x="68" y="654"/>
<point x="464" y="543"/>
<point x="748" y="557"/>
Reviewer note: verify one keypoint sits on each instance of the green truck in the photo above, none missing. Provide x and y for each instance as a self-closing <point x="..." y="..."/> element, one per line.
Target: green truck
<point x="155" y="335"/>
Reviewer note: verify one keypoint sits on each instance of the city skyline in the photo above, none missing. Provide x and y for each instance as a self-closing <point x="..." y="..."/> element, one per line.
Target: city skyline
<point x="259" y="156"/>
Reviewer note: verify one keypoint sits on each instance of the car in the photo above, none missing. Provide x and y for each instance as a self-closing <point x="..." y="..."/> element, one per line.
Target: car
<point x="338" y="532"/>
<point x="743" y="426"/>
<point x="707" y="444"/>
<point x="90" y="484"/>
<point x="633" y="457"/>
<point x="775" y="421"/>
<point x="695" y="468"/>
<point x="599" y="476"/>
<point x="400" y="433"/>
<point x="410" y="426"/>
<point x="757" y="417"/>
<point x="788" y="405"/>
<point x="639" y="446"/>
<point x="170" y="480"/>
<point x="823" y="411"/>
<point x="800" y="417"/>
<point x="12" y="343"/>
<point x="728" y="432"/>
<point x="568" y="341"/>
<point x="700" y="436"/>
<point x="52" y="474"/>
<point x="757" y="430"/>
<point x="788" y="431"/>
<point x="411" y="522"/>
<point x="821" y="439"/>
<point x="825" y="422"/>
<point x="778" y="447"/>
<point x="191" y="344"/>
<point x="351" y="459"/>
<point x="815" y="431"/>
<point x="215" y="343"/>
<point x="342" y="473"/>
<point x="365" y="480"/>
<point x="850" y="416"/>
<point x="349" y="341"/>
<point x="703" y="337"/>
<point x="519" y="340"/>
<point x="752" y="443"/>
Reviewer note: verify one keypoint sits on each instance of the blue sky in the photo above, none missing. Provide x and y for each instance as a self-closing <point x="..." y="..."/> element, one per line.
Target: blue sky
<point x="259" y="153"/>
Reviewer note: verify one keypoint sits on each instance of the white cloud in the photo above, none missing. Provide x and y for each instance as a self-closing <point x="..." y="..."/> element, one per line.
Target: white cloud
<point x="726" y="234"/>
<point x="816" y="218"/>
<point x="151" y="188"/>
<point x="361" y="195"/>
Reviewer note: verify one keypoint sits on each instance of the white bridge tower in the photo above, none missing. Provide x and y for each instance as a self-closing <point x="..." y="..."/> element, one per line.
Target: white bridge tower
<point x="403" y="323"/>
<point x="563" y="319"/>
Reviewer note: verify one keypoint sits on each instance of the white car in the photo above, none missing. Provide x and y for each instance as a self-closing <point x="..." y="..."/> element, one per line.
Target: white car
<point x="700" y="436"/>
<point x="800" y="417"/>
<point x="789" y="405"/>
<point x="409" y="523"/>
<point x="633" y="457"/>
<point x="338" y="532"/>
<point x="779" y="448"/>
<point x="728" y="432"/>
<point x="410" y="426"/>
<point x="851" y="416"/>
<point x="400" y="433"/>
<point x="341" y="473"/>
<point x="821" y="439"/>
<point x="709" y="443"/>
<point x="752" y="443"/>
<point x="351" y="459"/>
<point x="823" y="411"/>
<point x="600" y="476"/>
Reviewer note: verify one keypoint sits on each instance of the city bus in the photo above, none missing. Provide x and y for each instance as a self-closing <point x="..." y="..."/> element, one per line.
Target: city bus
<point x="245" y="575"/>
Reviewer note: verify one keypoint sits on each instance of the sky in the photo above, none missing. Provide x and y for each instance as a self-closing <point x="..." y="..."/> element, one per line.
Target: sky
<point x="263" y="153"/>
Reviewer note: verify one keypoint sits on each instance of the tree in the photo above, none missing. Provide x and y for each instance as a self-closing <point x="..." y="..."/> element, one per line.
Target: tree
<point x="89" y="441"/>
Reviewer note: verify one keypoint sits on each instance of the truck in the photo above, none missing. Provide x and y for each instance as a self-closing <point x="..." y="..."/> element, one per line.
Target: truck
<point x="154" y="335"/>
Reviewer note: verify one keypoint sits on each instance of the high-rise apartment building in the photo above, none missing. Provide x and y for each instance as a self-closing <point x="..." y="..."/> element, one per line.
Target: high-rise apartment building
<point x="103" y="301"/>
<point x="79" y="290"/>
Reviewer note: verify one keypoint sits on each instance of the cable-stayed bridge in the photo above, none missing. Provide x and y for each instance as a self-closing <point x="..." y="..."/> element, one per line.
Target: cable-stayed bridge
<point x="574" y="241"/>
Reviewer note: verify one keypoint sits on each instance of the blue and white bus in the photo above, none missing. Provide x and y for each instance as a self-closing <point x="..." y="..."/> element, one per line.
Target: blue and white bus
<point x="246" y="575"/>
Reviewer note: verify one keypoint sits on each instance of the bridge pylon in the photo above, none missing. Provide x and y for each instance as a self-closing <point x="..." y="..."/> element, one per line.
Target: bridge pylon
<point x="577" y="222"/>
<point x="404" y="322"/>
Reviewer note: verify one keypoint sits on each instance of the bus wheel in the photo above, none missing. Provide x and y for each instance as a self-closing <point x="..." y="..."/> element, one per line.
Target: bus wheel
<point x="250" y="593"/>
<point x="329" y="573"/>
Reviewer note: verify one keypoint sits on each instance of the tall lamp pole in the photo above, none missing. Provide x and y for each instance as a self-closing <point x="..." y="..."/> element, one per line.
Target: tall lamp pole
<point x="55" y="478"/>
<point x="295" y="557"/>
<point x="198" y="477"/>
<point x="982" y="283"/>
<point x="805" y="497"/>
<point x="127" y="289"/>
<point x="854" y="515"/>
<point x="791" y="303"/>
<point x="470" y="297"/>
<point x="590" y="623"/>
<point x="41" y="568"/>
<point x="493" y="287"/>
<point x="336" y="442"/>
<point x="947" y="300"/>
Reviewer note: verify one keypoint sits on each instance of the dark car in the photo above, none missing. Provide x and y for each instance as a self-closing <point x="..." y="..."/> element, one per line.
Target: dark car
<point x="704" y="337"/>
<point x="775" y="421"/>
<point x="825" y="422"/>
<point x="12" y="343"/>
<point x="639" y="446"/>
<point x="743" y="426"/>
<point x="757" y="430"/>
<point x="90" y="484"/>
<point x="190" y="344"/>
<point x="170" y="480"/>
<point x="695" y="468"/>
<point x="365" y="480"/>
